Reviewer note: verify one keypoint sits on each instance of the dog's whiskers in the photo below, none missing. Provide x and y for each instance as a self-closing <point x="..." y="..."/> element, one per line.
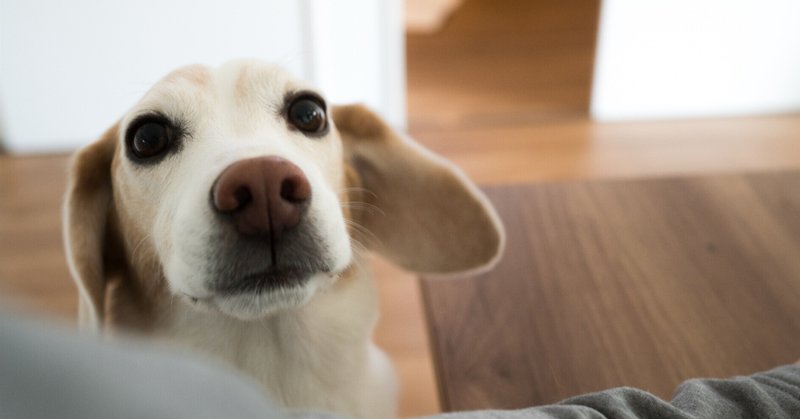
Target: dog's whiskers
<point x="359" y="190"/>
<point x="359" y="253"/>
<point x="365" y="206"/>
<point x="349" y="191"/>
<point x="362" y="232"/>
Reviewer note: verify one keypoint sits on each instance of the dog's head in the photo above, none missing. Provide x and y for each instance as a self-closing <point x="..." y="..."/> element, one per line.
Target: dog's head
<point x="240" y="189"/>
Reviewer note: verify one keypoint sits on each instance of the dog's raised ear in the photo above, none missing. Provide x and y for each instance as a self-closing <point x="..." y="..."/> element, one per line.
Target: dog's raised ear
<point x="85" y="216"/>
<point x="424" y="214"/>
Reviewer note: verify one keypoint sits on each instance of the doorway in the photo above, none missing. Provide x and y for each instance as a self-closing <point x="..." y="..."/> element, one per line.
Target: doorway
<point x="498" y="62"/>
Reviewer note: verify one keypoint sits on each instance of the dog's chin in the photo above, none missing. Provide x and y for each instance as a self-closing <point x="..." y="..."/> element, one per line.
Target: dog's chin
<point x="254" y="305"/>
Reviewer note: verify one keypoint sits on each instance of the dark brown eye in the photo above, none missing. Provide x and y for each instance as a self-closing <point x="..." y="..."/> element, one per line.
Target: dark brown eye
<point x="151" y="139"/>
<point x="308" y="115"/>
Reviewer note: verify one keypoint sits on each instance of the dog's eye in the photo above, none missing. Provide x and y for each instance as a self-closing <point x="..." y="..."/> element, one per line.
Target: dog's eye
<point x="151" y="139"/>
<point x="307" y="114"/>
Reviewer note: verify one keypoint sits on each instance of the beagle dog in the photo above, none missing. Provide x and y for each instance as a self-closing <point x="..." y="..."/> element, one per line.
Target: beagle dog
<point x="231" y="211"/>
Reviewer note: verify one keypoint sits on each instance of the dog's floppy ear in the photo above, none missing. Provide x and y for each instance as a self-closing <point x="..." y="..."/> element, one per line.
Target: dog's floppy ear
<point x="425" y="214"/>
<point x="85" y="216"/>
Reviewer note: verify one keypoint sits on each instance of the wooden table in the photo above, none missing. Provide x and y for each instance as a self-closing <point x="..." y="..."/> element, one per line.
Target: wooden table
<point x="641" y="283"/>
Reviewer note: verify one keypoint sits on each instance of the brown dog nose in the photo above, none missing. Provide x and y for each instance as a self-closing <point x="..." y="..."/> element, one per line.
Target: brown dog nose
<point x="263" y="195"/>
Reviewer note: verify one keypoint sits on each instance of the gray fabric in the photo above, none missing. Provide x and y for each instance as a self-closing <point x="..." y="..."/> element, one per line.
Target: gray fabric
<point x="773" y="394"/>
<point x="50" y="373"/>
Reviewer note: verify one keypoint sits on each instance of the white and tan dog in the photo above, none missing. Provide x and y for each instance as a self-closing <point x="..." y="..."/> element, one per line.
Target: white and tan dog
<point x="230" y="210"/>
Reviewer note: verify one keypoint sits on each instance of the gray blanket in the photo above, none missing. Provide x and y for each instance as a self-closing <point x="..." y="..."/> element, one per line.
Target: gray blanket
<point x="46" y="372"/>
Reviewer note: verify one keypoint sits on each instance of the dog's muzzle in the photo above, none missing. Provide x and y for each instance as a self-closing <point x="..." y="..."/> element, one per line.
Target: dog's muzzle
<point x="262" y="203"/>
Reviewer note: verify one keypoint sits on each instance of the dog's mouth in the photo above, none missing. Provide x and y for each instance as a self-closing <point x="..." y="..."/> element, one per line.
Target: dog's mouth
<point x="257" y="294"/>
<point x="270" y="279"/>
<point x="249" y="279"/>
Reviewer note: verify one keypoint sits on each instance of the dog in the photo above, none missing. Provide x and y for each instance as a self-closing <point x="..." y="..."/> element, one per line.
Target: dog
<point x="231" y="211"/>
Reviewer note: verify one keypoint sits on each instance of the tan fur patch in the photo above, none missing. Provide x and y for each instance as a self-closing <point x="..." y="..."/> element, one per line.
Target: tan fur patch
<point x="196" y="74"/>
<point x="86" y="206"/>
<point x="90" y="168"/>
<point x="242" y="86"/>
<point x="116" y="291"/>
<point x="424" y="213"/>
<point x="359" y="122"/>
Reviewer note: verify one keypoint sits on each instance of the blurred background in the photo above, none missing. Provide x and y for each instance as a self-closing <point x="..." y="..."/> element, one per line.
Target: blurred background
<point x="510" y="90"/>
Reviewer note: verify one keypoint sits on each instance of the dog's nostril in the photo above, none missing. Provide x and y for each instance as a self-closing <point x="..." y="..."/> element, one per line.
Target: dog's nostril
<point x="243" y="197"/>
<point x="295" y="190"/>
<point x="287" y="190"/>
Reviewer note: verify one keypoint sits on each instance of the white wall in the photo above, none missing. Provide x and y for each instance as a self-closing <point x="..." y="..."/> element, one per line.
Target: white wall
<point x="358" y="53"/>
<point x="693" y="58"/>
<point x="69" y="69"/>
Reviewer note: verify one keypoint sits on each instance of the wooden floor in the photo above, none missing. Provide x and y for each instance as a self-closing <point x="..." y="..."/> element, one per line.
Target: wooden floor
<point x="625" y="282"/>
<point x="581" y="150"/>
<point x="505" y="104"/>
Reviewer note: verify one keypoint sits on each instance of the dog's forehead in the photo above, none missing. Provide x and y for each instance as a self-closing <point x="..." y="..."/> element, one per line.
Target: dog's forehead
<point x="236" y="84"/>
<point x="196" y="74"/>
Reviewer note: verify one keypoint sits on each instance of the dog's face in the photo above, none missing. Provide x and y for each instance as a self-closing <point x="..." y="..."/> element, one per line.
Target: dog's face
<point x="239" y="189"/>
<point x="234" y="175"/>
